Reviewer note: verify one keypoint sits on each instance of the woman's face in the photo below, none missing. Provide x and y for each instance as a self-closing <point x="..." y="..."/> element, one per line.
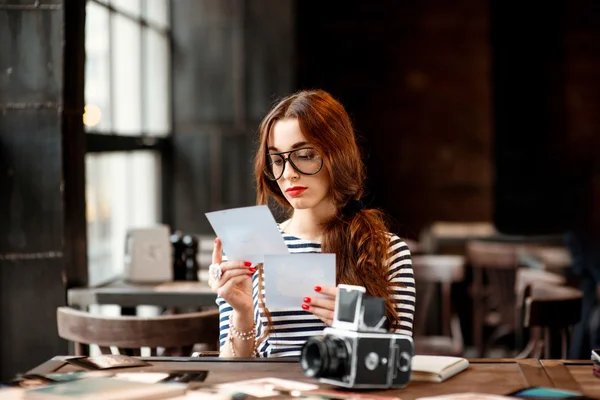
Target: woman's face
<point x="301" y="191"/>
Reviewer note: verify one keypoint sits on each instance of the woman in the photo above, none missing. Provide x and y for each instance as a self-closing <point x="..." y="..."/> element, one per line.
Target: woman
<point x="309" y="162"/>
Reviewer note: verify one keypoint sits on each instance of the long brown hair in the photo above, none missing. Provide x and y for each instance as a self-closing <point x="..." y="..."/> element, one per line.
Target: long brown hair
<point x="359" y="240"/>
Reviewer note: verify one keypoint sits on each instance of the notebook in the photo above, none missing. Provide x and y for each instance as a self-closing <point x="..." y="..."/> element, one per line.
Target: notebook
<point x="105" y="389"/>
<point x="436" y="368"/>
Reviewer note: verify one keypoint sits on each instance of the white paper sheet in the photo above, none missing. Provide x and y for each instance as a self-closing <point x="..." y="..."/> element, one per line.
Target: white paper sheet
<point x="247" y="233"/>
<point x="292" y="277"/>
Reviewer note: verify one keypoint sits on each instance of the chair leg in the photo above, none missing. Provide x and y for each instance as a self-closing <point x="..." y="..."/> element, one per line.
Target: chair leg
<point x="537" y="352"/>
<point x="456" y="334"/>
<point x="79" y="351"/>
<point x="478" y="312"/>
<point x="533" y="346"/>
<point x="547" y="340"/>
<point x="528" y="350"/>
<point x="564" y="344"/>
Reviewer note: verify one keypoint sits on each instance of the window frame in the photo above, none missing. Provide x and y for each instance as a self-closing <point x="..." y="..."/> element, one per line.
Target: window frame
<point x="112" y="141"/>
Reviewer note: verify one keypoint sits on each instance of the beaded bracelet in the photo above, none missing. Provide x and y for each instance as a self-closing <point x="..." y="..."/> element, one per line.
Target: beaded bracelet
<point x="243" y="335"/>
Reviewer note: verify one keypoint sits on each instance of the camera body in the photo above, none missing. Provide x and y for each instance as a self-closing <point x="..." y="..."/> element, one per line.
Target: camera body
<point x="357" y="351"/>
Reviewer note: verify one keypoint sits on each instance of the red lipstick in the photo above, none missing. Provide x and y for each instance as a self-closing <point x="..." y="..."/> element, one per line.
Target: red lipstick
<point x="295" y="190"/>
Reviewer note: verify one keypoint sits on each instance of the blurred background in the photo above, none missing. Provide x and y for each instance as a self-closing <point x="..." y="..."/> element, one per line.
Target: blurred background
<point x="479" y="118"/>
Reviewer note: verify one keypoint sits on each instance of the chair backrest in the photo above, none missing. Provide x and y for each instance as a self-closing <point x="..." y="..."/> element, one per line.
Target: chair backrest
<point x="552" y="306"/>
<point x="433" y="272"/>
<point x="177" y="334"/>
<point x="527" y="277"/>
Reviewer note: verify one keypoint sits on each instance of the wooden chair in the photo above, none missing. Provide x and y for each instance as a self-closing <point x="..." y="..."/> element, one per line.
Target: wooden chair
<point x="526" y="278"/>
<point x="433" y="273"/>
<point x="550" y="312"/>
<point x="177" y="334"/>
<point x="492" y="290"/>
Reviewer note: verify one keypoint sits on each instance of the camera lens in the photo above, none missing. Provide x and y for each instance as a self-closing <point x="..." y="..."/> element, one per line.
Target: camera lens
<point x="324" y="356"/>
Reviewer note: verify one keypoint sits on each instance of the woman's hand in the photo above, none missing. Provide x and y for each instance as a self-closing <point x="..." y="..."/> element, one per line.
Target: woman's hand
<point x="322" y="307"/>
<point x="235" y="283"/>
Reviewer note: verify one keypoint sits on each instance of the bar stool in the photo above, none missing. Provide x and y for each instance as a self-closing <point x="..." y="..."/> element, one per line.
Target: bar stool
<point x="492" y="290"/>
<point x="527" y="277"/>
<point x="550" y="312"/>
<point x="433" y="272"/>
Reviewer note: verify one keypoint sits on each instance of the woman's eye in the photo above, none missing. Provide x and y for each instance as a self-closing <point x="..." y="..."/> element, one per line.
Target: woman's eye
<point x="306" y="155"/>
<point x="277" y="162"/>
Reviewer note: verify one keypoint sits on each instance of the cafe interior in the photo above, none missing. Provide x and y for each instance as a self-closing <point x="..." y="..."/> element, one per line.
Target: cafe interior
<point x="123" y="122"/>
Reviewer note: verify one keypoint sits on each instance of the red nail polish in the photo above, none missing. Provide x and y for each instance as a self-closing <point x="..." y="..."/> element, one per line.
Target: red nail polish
<point x="307" y="299"/>
<point x="250" y="275"/>
<point x="247" y="263"/>
<point x="317" y="288"/>
<point x="305" y="306"/>
<point x="251" y="269"/>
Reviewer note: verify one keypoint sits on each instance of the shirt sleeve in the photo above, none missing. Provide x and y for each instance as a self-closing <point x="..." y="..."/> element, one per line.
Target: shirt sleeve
<point x="225" y="311"/>
<point x="402" y="284"/>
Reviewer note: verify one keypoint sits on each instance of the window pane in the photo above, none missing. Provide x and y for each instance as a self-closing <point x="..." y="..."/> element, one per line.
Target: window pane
<point x="157" y="97"/>
<point x="97" y="72"/>
<point x="122" y="192"/>
<point x="126" y="74"/>
<point x="131" y="7"/>
<point x="157" y="12"/>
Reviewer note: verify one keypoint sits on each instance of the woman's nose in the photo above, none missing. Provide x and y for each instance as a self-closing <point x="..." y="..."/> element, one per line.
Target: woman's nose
<point x="288" y="171"/>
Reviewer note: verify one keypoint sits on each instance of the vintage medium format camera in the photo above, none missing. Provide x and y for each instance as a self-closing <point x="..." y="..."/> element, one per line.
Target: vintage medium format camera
<point x="357" y="351"/>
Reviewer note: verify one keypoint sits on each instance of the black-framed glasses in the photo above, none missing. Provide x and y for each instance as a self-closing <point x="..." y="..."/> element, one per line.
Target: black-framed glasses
<point x="306" y="161"/>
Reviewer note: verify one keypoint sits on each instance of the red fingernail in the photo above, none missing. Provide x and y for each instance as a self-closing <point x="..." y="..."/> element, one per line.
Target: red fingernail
<point x="317" y="288"/>
<point x="305" y="306"/>
<point x="307" y="299"/>
<point x="247" y="263"/>
<point x="251" y="269"/>
<point x="250" y="275"/>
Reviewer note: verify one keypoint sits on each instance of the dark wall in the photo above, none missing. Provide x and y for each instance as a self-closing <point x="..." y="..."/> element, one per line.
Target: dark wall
<point x="415" y="77"/>
<point x="231" y="59"/>
<point x="32" y="256"/>
<point x="468" y="111"/>
<point x="529" y="110"/>
<point x="582" y="105"/>
<point x="546" y="108"/>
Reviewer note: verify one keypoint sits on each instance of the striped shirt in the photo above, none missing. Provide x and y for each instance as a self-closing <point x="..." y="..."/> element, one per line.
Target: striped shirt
<point x="291" y="328"/>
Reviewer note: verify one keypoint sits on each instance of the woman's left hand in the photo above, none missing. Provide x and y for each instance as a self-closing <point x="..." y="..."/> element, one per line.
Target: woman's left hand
<point x="322" y="307"/>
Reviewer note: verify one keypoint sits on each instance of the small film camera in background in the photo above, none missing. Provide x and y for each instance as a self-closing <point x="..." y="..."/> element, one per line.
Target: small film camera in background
<point x="357" y="351"/>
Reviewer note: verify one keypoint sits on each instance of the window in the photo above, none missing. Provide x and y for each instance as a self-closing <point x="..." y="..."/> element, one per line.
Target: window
<point x="127" y="119"/>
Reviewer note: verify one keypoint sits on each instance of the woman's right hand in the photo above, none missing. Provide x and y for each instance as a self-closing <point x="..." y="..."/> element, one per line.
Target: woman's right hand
<point x="235" y="284"/>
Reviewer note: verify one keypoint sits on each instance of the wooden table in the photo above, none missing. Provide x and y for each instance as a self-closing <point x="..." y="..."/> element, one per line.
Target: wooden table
<point x="450" y="237"/>
<point x="550" y="258"/>
<point x="494" y="376"/>
<point x="170" y="294"/>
